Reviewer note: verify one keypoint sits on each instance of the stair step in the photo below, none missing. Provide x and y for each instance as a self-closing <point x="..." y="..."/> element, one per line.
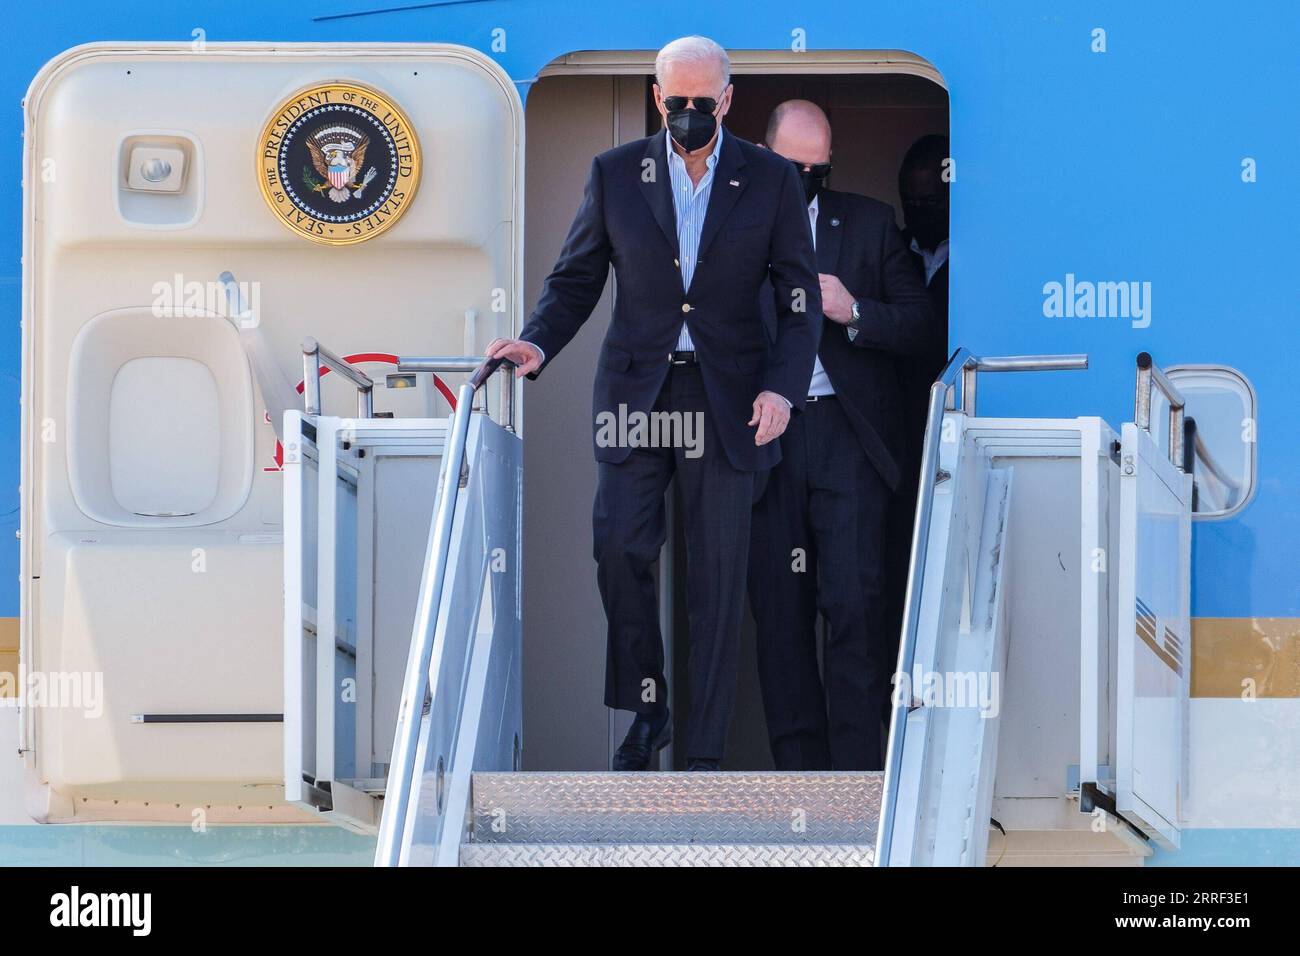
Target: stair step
<point x="666" y="854"/>
<point x="776" y="809"/>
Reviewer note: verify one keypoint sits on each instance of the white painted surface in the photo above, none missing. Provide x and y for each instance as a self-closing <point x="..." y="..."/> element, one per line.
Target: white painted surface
<point x="179" y="618"/>
<point x="164" y="436"/>
<point x="12" y="810"/>
<point x="1245" y="764"/>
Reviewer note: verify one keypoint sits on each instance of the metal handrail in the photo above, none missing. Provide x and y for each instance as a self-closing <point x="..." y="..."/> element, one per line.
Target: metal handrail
<point x="438" y="363"/>
<point x="415" y="685"/>
<point x="1149" y="374"/>
<point x="314" y="355"/>
<point x="278" y="394"/>
<point x="448" y="363"/>
<point x="1011" y="363"/>
<point x="965" y="367"/>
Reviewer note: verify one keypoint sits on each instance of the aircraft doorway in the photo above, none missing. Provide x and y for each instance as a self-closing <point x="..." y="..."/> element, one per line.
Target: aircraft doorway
<point x="584" y="104"/>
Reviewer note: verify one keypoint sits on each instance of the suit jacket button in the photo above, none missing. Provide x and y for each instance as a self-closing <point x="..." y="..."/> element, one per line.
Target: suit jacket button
<point x="677" y="263"/>
<point x="686" y="307"/>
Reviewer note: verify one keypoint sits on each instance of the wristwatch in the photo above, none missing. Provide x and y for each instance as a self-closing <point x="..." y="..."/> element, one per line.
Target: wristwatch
<point x="851" y="330"/>
<point x="857" y="316"/>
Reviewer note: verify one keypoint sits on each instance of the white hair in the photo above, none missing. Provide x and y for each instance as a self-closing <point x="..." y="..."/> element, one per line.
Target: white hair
<point x="693" y="49"/>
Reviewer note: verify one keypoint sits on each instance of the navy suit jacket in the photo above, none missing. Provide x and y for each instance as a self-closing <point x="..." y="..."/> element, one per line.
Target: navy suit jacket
<point x="755" y="230"/>
<point x="858" y="242"/>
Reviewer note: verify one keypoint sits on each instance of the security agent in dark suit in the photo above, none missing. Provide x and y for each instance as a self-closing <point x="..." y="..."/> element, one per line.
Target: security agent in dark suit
<point x="818" y="541"/>
<point x="693" y="220"/>
<point x="923" y="187"/>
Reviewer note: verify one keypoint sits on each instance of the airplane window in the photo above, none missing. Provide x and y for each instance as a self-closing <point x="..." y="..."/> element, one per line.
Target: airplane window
<point x="1222" y="403"/>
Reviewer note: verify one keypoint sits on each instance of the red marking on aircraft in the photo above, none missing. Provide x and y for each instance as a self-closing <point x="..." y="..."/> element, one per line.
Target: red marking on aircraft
<point x="385" y="358"/>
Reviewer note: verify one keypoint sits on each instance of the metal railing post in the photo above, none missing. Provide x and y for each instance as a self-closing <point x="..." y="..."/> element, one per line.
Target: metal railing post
<point x="969" y="379"/>
<point x="415" y="683"/>
<point x="395" y="822"/>
<point x="1149" y="374"/>
<point x="311" y="376"/>
<point x="314" y="355"/>
<point x="1142" y="400"/>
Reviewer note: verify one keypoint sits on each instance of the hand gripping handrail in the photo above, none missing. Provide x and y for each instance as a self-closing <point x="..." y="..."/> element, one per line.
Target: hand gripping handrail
<point x="482" y="372"/>
<point x="963" y="367"/>
<point x="415" y="685"/>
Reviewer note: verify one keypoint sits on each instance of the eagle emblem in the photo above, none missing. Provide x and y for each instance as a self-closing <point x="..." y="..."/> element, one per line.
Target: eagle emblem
<point x="338" y="163"/>
<point x="339" y="153"/>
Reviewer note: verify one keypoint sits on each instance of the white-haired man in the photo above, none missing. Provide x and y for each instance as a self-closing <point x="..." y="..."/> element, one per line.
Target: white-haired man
<point x="693" y="221"/>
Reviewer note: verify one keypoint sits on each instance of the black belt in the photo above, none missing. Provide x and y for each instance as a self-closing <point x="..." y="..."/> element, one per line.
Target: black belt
<point x="682" y="358"/>
<point x="819" y="398"/>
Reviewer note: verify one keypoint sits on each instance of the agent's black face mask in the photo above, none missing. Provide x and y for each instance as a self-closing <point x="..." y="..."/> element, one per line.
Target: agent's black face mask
<point x="813" y="178"/>
<point x="927" y="220"/>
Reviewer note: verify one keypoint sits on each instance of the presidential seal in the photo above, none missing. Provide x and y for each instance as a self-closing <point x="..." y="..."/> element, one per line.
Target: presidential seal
<point x="338" y="163"/>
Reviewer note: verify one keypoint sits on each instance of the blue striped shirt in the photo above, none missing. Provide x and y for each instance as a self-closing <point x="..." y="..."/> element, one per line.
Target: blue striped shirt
<point x="690" y="202"/>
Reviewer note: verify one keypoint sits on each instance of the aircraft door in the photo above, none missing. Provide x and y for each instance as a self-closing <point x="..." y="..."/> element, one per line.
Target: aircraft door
<point x="190" y="217"/>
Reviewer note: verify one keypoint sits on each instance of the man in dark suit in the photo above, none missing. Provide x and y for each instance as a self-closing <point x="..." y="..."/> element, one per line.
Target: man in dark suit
<point x="819" y="529"/>
<point x="693" y="221"/>
<point x="923" y="181"/>
<point x="923" y="188"/>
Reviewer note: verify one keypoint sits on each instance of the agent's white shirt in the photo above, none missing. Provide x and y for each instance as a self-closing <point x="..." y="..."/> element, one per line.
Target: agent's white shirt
<point x="933" y="259"/>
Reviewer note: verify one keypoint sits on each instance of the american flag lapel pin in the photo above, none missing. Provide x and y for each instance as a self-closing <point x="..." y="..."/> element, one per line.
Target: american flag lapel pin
<point x="735" y="182"/>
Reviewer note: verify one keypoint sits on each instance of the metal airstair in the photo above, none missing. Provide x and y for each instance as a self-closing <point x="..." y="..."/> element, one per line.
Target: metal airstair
<point x="429" y="756"/>
<point x="673" y="819"/>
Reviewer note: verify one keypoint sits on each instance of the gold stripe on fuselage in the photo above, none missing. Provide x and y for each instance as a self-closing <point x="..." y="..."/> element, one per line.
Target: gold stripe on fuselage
<point x="1245" y="657"/>
<point x="9" y="655"/>
<point x="1231" y="656"/>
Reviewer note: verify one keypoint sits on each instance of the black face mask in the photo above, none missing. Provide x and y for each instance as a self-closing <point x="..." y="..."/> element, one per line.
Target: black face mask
<point x="813" y="178"/>
<point x="691" y="129"/>
<point x="812" y="184"/>
<point x="927" y="223"/>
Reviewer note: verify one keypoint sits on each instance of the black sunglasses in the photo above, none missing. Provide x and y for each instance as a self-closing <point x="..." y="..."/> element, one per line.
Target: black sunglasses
<point x="818" y="170"/>
<point x="705" y="104"/>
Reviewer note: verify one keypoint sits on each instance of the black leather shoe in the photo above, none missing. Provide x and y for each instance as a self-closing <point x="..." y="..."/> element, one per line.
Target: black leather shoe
<point x="646" y="737"/>
<point x="703" y="764"/>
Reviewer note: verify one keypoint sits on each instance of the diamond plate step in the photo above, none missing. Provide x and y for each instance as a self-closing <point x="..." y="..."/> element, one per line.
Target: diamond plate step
<point x="676" y="808"/>
<point x="665" y="854"/>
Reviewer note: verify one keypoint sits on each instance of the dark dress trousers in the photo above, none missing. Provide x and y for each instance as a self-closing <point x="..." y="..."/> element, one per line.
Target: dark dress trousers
<point x="818" y="540"/>
<point x="755" y="230"/>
